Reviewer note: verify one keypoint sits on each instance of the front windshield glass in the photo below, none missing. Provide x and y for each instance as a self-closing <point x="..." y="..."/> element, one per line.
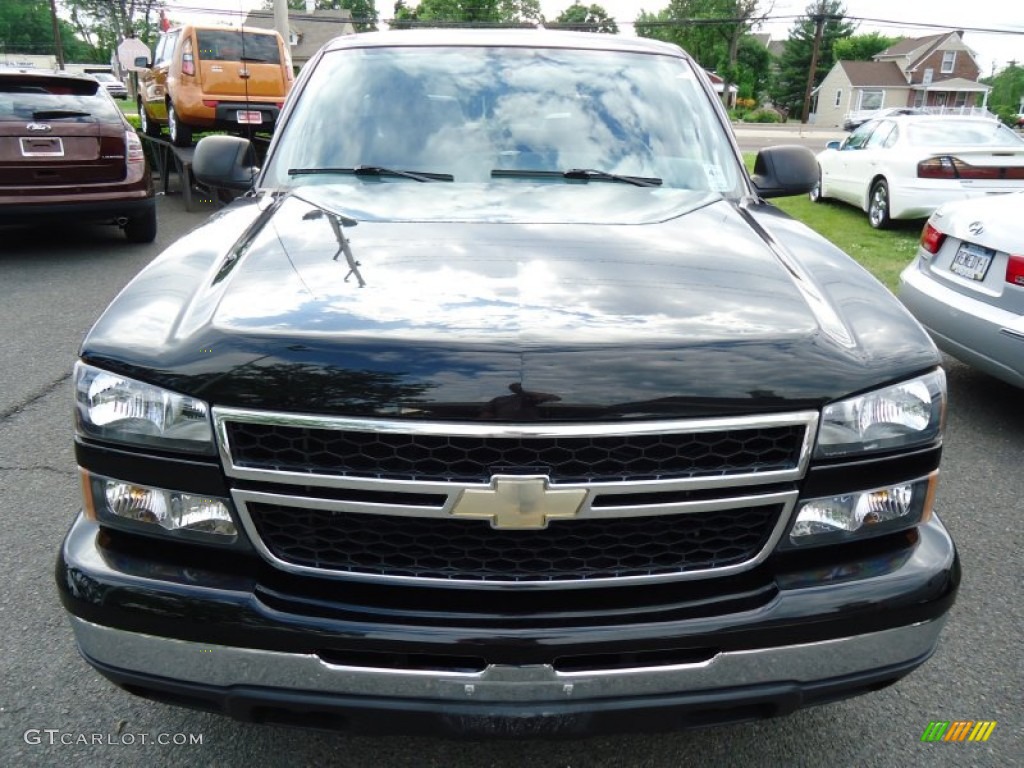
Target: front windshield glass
<point x="486" y="114"/>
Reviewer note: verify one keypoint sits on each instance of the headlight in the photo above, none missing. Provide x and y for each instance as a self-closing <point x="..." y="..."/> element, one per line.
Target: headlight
<point x="114" y="407"/>
<point x="145" y="509"/>
<point x="849" y="516"/>
<point x="901" y="416"/>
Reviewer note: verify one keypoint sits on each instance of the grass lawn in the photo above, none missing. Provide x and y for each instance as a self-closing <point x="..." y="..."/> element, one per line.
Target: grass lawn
<point x="883" y="252"/>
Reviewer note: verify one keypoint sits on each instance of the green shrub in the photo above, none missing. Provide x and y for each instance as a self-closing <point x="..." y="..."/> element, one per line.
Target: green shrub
<point x="1007" y="115"/>
<point x="763" y="116"/>
<point x="134" y="120"/>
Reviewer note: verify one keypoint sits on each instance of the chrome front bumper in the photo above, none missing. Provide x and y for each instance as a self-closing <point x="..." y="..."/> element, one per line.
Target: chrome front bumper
<point x="223" y="667"/>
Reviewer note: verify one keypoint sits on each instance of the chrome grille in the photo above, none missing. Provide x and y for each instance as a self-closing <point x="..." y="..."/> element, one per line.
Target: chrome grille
<point x="385" y="500"/>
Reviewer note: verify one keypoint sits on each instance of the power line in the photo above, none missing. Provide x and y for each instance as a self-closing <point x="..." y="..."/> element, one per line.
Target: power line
<point x="654" y="23"/>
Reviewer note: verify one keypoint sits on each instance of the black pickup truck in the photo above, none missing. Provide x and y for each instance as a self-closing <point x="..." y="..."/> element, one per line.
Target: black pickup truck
<point x="504" y="404"/>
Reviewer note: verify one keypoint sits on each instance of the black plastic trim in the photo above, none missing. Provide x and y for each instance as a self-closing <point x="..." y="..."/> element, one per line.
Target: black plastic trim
<point x="491" y="720"/>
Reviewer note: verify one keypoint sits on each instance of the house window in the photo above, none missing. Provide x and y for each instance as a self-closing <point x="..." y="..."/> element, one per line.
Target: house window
<point x="839" y="96"/>
<point x="929" y="73"/>
<point x="961" y="99"/>
<point x="871" y="99"/>
<point x="919" y="98"/>
<point x="948" y="62"/>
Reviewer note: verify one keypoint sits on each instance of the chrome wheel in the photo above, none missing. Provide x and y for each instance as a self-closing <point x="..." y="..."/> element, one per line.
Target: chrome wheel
<point x="181" y="134"/>
<point x="815" y="194"/>
<point x="878" y="207"/>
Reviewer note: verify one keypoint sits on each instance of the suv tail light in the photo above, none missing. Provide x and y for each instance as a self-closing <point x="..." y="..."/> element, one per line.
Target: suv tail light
<point x="188" y="64"/>
<point x="948" y="167"/>
<point x="931" y="238"/>
<point x="1015" y="270"/>
<point x="134" y="148"/>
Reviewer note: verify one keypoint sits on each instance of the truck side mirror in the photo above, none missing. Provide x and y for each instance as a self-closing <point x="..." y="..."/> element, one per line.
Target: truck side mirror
<point x="785" y="170"/>
<point x="225" y="161"/>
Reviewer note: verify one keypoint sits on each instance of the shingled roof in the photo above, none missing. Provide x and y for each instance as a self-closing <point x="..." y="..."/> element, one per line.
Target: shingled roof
<point x="866" y="73"/>
<point x="313" y="29"/>
<point x="911" y="44"/>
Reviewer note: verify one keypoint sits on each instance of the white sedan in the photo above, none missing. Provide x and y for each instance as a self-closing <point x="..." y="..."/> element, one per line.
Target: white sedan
<point x="906" y="166"/>
<point x="966" y="285"/>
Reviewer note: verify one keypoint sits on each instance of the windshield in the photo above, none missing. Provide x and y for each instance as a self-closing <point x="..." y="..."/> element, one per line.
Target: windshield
<point x="485" y="114"/>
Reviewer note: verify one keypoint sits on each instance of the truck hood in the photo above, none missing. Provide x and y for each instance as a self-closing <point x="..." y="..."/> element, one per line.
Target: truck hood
<point x="439" y="300"/>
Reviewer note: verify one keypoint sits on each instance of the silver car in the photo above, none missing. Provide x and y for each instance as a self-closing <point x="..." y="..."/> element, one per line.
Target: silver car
<point x="114" y="86"/>
<point x="966" y="285"/>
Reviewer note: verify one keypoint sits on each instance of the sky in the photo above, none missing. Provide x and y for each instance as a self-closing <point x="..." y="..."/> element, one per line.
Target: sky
<point x="993" y="49"/>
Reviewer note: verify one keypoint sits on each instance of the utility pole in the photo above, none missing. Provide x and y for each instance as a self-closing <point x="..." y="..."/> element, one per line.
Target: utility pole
<point x="281" y="21"/>
<point x="819" y="23"/>
<point x="58" y="46"/>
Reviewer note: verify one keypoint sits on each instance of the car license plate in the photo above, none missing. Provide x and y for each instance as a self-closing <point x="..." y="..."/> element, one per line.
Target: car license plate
<point x="971" y="261"/>
<point x="246" y="117"/>
<point x="50" y="146"/>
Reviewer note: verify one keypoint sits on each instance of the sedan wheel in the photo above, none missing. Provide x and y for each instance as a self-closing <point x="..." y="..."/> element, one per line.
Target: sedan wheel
<point x="878" y="208"/>
<point x="181" y="134"/>
<point x="815" y="194"/>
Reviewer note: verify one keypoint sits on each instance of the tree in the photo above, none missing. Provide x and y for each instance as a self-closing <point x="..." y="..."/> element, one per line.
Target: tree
<point x="1007" y="92"/>
<point x="584" y="18"/>
<point x="103" y="24"/>
<point x="861" y="47"/>
<point x="795" y="63"/>
<point x="672" y="25"/>
<point x="364" y="12"/>
<point x="26" y="28"/>
<point x="753" y="69"/>
<point x="710" y="30"/>
<point x="468" y="12"/>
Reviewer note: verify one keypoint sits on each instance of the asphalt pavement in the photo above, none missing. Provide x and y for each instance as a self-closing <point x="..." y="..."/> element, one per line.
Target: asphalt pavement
<point x="54" y="710"/>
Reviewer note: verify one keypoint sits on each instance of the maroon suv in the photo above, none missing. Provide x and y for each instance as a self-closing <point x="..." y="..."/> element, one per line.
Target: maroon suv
<point x="67" y="152"/>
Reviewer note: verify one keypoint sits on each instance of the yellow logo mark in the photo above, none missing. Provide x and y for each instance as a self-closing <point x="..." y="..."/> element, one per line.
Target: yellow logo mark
<point x="958" y="730"/>
<point x="519" y="503"/>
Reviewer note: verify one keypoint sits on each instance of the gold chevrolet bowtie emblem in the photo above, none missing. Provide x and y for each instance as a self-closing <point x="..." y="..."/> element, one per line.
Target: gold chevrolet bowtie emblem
<point x="514" y="502"/>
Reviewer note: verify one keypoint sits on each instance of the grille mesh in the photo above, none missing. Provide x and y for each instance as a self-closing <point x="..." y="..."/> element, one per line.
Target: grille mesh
<point x="472" y="550"/>
<point x="476" y="459"/>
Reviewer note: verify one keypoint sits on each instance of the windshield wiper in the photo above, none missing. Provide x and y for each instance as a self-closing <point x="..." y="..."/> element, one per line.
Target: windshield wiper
<point x="373" y="170"/>
<point x="252" y="58"/>
<point x="585" y="174"/>
<point x="53" y="114"/>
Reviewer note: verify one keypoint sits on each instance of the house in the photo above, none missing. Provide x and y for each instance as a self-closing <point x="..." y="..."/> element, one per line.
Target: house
<point x="308" y="30"/>
<point x="937" y="73"/>
<point x="719" y="85"/>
